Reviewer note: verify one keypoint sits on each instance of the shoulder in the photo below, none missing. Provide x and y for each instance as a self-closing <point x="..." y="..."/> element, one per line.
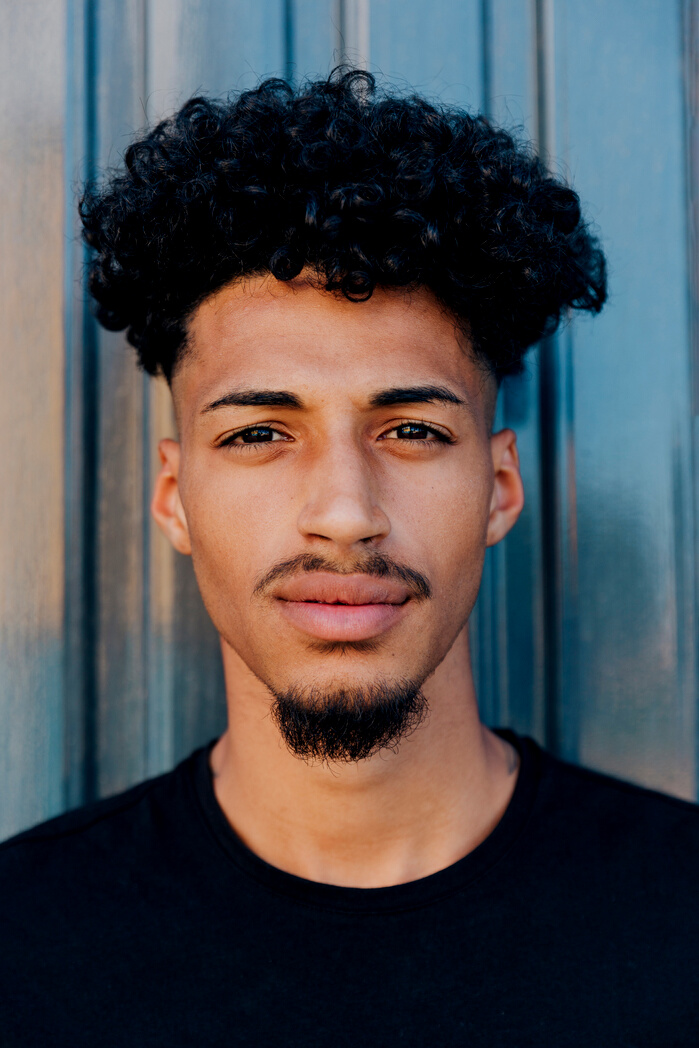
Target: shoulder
<point x="599" y="789"/>
<point x="621" y="823"/>
<point x="98" y="840"/>
<point x="78" y="821"/>
<point x="82" y="893"/>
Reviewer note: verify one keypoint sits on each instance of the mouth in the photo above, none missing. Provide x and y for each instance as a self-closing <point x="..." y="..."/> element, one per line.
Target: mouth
<point x="342" y="608"/>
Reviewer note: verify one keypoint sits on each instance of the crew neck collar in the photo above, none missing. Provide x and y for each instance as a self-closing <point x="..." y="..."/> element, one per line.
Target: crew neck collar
<point x="399" y="897"/>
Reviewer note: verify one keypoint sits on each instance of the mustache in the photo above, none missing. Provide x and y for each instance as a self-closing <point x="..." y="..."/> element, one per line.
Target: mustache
<point x="376" y="564"/>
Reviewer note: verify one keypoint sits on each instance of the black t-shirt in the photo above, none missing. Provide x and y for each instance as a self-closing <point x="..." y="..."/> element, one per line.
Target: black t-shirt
<point x="142" y="920"/>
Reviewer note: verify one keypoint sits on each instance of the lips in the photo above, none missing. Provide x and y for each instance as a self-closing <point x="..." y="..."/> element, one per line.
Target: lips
<point x="326" y="588"/>
<point x="342" y="608"/>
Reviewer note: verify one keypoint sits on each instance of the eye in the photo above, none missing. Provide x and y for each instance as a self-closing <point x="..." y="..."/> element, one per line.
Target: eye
<point x="251" y="436"/>
<point x="418" y="432"/>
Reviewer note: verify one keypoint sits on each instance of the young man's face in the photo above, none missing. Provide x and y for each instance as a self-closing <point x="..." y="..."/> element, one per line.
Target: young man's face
<point x="336" y="481"/>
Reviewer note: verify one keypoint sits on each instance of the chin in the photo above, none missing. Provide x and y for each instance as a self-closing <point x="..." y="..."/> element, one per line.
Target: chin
<point x="343" y="723"/>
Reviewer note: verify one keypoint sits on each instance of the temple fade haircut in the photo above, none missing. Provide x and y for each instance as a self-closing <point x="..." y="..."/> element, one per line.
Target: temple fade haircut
<point x="347" y="725"/>
<point x="361" y="187"/>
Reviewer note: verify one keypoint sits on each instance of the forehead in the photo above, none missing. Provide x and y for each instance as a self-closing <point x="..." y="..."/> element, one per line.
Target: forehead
<point x="263" y="333"/>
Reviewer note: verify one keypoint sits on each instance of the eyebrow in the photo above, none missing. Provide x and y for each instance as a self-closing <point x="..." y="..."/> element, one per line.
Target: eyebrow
<point x="281" y="398"/>
<point x="414" y="395"/>
<point x="256" y="398"/>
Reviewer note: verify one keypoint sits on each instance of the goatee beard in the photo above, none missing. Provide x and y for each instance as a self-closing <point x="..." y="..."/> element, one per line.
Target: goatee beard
<point x="348" y="724"/>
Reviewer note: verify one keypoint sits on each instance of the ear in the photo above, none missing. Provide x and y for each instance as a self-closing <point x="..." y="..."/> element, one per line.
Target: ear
<point x="508" y="493"/>
<point x="166" y="505"/>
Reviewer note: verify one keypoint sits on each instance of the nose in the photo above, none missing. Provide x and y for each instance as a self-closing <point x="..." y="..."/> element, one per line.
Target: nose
<point x="341" y="504"/>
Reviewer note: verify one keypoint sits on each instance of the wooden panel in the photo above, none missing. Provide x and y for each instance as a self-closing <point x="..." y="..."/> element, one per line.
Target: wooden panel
<point x="314" y="38"/>
<point x="628" y="689"/>
<point x="32" y="73"/>
<point x="690" y="39"/>
<point x="508" y="629"/>
<point x="121" y="392"/>
<point x="211" y="47"/>
<point x="355" y="32"/>
<point x="510" y="64"/>
<point x="435" y="48"/>
<point x="79" y="755"/>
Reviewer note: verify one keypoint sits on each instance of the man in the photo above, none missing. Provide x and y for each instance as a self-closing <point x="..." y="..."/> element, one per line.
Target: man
<point x="334" y="282"/>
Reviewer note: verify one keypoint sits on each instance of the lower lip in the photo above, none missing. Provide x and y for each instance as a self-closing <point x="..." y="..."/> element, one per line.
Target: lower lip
<point x="341" y="622"/>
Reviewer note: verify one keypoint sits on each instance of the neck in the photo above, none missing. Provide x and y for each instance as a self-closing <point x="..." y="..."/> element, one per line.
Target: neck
<point x="387" y="820"/>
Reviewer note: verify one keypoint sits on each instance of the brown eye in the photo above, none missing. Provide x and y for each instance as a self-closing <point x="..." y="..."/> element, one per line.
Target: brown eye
<point x="256" y="435"/>
<point x="253" y="436"/>
<point x="412" y="431"/>
<point x="417" y="431"/>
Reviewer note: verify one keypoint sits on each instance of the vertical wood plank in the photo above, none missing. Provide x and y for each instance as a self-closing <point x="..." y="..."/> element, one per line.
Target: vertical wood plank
<point x="315" y="38"/>
<point x="509" y="624"/>
<point x="121" y="421"/>
<point x="355" y="32"/>
<point x="32" y="73"/>
<point x="79" y="753"/>
<point x="211" y="47"/>
<point x="628" y="684"/>
<point x="556" y="443"/>
<point x="690" y="56"/>
<point x="435" y="49"/>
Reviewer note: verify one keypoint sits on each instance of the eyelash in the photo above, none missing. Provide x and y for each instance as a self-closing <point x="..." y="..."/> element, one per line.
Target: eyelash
<point x="228" y="441"/>
<point x="442" y="438"/>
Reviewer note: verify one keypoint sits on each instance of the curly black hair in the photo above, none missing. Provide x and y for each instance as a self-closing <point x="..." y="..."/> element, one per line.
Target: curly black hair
<point x="364" y="187"/>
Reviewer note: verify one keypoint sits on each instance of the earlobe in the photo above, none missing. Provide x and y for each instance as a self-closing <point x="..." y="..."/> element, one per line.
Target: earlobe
<point x="507" y="500"/>
<point x="166" y="505"/>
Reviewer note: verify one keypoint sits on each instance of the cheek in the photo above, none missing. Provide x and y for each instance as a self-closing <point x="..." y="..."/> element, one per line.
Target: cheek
<point x="440" y="528"/>
<point x="445" y="516"/>
<point x="236" y="523"/>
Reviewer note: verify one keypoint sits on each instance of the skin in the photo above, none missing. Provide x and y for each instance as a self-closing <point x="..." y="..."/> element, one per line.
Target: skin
<point x="341" y="481"/>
